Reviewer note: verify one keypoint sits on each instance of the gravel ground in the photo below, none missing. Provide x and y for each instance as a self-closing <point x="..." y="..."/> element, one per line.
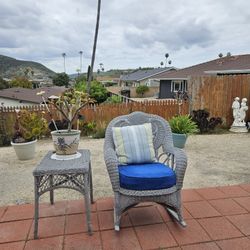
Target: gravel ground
<point x="213" y="160"/>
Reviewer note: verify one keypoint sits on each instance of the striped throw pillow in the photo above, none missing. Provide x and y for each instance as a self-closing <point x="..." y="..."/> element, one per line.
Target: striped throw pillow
<point x="134" y="144"/>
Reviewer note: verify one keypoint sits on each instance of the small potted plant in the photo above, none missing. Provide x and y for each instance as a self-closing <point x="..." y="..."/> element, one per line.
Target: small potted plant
<point x="28" y="128"/>
<point x="181" y="127"/>
<point x="69" y="104"/>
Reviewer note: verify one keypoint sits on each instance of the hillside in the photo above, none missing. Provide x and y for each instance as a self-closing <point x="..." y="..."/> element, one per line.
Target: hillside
<point x="11" y="67"/>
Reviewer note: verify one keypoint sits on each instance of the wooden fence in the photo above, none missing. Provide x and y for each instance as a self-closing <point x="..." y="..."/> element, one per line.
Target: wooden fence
<point x="216" y="94"/>
<point x="103" y="113"/>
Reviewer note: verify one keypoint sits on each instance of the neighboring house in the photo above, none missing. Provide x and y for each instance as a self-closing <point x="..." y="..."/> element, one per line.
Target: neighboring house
<point x="23" y="96"/>
<point x="143" y="77"/>
<point x="172" y="82"/>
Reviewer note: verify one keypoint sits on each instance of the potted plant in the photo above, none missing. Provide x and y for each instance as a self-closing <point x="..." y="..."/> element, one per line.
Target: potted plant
<point x="181" y="127"/>
<point x="28" y="127"/>
<point x="69" y="104"/>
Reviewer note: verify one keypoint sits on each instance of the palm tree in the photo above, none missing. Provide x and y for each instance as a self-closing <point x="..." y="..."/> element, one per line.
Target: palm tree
<point x="166" y="55"/>
<point x="94" y="46"/>
<point x="64" y="56"/>
<point x="161" y="63"/>
<point x="80" y="52"/>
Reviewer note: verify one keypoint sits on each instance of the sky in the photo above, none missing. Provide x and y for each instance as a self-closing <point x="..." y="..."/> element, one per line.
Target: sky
<point x="132" y="33"/>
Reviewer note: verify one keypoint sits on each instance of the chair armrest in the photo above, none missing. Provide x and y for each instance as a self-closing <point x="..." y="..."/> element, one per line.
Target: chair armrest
<point x="112" y="163"/>
<point x="180" y="160"/>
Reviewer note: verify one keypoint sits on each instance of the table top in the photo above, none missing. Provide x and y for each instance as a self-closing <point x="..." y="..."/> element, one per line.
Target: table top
<point x="50" y="166"/>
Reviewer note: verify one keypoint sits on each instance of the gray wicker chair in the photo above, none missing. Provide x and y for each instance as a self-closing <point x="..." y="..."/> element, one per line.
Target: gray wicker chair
<point x="170" y="198"/>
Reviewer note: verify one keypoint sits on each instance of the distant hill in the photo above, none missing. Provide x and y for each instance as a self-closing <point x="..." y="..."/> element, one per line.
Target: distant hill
<point x="11" y="67"/>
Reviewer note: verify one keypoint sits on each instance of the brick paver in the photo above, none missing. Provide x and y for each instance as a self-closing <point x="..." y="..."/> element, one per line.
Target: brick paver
<point x="217" y="218"/>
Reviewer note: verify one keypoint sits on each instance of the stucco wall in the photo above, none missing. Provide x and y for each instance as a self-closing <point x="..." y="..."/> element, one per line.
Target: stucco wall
<point x="11" y="102"/>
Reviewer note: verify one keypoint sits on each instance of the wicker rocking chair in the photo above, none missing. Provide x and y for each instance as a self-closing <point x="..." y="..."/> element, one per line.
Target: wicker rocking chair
<point x="165" y="152"/>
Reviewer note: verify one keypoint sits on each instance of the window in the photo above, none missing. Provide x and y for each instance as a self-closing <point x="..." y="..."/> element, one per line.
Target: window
<point x="176" y="86"/>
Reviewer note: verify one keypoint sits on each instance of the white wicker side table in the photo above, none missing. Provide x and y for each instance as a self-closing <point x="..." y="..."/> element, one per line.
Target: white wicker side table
<point x="74" y="174"/>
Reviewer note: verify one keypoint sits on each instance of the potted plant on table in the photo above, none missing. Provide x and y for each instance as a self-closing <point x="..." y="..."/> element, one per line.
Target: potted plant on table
<point x="69" y="104"/>
<point x="181" y="127"/>
<point x="28" y="128"/>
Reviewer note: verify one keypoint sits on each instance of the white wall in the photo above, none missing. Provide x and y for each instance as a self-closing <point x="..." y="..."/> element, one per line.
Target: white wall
<point x="11" y="102"/>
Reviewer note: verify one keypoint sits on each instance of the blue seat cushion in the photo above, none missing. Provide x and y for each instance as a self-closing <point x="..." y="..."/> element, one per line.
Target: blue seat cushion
<point x="151" y="176"/>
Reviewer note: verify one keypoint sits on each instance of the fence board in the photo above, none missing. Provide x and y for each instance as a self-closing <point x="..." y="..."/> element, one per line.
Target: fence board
<point x="216" y="93"/>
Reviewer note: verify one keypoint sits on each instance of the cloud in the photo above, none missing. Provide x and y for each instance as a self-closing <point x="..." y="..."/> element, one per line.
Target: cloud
<point x="132" y="33"/>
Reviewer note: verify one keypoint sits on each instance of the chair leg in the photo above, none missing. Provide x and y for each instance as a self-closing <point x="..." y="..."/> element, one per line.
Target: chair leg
<point x="177" y="215"/>
<point x="117" y="212"/>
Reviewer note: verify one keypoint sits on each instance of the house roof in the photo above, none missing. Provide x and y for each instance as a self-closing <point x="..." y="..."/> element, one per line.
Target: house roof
<point x="144" y="74"/>
<point x="225" y="65"/>
<point x="29" y="95"/>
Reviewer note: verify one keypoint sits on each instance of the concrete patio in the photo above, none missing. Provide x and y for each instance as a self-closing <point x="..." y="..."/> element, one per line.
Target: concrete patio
<point x="217" y="218"/>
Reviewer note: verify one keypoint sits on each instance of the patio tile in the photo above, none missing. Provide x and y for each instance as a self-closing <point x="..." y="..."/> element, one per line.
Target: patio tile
<point x="78" y="206"/>
<point x="233" y="191"/>
<point x="47" y="227"/>
<point x="211" y="193"/>
<point x="155" y="236"/>
<point x="2" y="211"/>
<point x="193" y="233"/>
<point x="13" y="246"/>
<point x="18" y="212"/>
<point x="244" y="202"/>
<point x="219" y="228"/>
<point x="166" y="217"/>
<point x="190" y="195"/>
<point x="144" y="215"/>
<point x="202" y="246"/>
<point x="232" y="244"/>
<point x="55" y="243"/>
<point x="123" y="240"/>
<point x="242" y="222"/>
<point x="105" y="204"/>
<point x="227" y="207"/>
<point x="106" y="220"/>
<point x="76" y="223"/>
<point x="200" y="209"/>
<point x="14" y="231"/>
<point x="246" y="187"/>
<point x="83" y="241"/>
<point x="58" y="208"/>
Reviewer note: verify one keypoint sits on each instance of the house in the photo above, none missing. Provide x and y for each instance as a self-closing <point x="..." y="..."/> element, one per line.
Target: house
<point x="143" y="77"/>
<point x="172" y="82"/>
<point x="23" y="96"/>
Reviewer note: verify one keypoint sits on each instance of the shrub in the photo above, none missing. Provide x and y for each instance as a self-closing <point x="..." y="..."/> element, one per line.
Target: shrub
<point x="141" y="90"/>
<point x="201" y="118"/>
<point x="114" y="99"/>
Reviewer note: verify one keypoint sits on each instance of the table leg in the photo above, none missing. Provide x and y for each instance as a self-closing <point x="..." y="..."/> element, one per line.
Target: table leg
<point x="87" y="202"/>
<point x="36" y="217"/>
<point x="91" y="183"/>
<point x="51" y="191"/>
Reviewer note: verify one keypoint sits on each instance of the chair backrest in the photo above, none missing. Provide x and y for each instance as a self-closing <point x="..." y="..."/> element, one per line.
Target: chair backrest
<point x="162" y="135"/>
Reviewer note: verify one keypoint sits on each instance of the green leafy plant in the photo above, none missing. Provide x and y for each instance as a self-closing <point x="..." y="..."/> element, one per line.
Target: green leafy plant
<point x="141" y="90"/>
<point x="183" y="124"/>
<point x="114" y="99"/>
<point x="29" y="126"/>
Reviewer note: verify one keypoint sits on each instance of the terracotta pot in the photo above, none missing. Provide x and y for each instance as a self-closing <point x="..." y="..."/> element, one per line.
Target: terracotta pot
<point x="66" y="143"/>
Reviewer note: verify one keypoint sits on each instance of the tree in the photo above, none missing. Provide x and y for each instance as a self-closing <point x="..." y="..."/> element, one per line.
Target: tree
<point x="22" y="82"/>
<point x="97" y="90"/>
<point x="220" y="55"/>
<point x="166" y="56"/>
<point x="80" y="52"/>
<point x="3" y="84"/>
<point x="61" y="79"/>
<point x="64" y="65"/>
<point x="94" y="46"/>
<point x="141" y="90"/>
<point x="161" y="63"/>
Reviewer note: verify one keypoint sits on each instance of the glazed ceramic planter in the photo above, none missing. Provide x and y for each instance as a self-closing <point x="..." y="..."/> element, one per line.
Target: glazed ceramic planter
<point x="25" y="150"/>
<point x="66" y="143"/>
<point x="179" y="140"/>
